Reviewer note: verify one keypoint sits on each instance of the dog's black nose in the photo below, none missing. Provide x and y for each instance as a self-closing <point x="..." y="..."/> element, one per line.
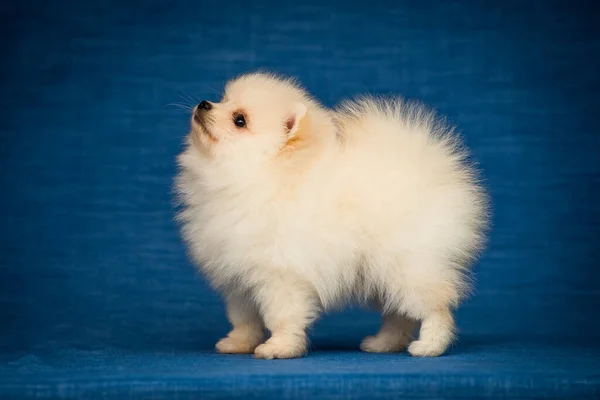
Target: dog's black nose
<point x="204" y="105"/>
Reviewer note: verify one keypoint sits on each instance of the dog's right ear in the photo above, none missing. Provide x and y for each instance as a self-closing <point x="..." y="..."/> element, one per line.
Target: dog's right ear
<point x="292" y="123"/>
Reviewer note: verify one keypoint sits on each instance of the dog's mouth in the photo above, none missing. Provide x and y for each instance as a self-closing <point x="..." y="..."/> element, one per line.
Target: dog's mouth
<point x="201" y="128"/>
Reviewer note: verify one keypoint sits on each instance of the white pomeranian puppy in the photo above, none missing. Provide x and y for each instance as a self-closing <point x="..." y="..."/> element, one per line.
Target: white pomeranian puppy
<point x="291" y="209"/>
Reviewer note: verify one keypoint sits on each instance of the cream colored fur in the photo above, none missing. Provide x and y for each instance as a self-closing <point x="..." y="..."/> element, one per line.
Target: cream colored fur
<point x="306" y="209"/>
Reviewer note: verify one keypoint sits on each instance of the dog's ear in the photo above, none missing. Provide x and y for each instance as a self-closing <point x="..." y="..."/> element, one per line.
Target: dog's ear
<point x="292" y="122"/>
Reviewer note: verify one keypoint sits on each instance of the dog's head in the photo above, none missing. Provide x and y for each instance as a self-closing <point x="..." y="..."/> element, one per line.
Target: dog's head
<point x="260" y="115"/>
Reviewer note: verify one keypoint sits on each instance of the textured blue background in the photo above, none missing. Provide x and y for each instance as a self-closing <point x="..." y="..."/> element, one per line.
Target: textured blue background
<point x="95" y="285"/>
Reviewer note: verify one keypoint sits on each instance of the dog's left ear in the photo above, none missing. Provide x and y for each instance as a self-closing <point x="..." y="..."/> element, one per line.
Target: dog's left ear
<point x="292" y="123"/>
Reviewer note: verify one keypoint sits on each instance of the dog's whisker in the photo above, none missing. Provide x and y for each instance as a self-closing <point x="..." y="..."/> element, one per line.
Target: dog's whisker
<point x="187" y="101"/>
<point x="217" y="92"/>
<point x="196" y="97"/>
<point x="183" y="107"/>
<point x="189" y="98"/>
<point x="186" y="106"/>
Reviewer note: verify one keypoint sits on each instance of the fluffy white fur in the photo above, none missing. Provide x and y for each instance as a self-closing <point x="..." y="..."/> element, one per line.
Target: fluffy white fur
<point x="306" y="209"/>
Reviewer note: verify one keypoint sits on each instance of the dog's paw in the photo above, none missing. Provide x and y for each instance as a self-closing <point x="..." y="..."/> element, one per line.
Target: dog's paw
<point x="281" y="348"/>
<point x="426" y="348"/>
<point x="383" y="344"/>
<point x="231" y="345"/>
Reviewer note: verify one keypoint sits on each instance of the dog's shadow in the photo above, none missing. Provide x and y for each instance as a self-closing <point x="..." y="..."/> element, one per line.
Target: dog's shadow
<point x="467" y="345"/>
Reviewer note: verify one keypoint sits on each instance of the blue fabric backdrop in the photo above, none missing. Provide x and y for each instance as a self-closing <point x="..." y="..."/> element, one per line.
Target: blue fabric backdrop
<point x="97" y="296"/>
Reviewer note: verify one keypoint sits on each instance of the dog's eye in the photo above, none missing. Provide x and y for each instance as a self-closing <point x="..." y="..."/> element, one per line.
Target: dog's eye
<point x="239" y="120"/>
